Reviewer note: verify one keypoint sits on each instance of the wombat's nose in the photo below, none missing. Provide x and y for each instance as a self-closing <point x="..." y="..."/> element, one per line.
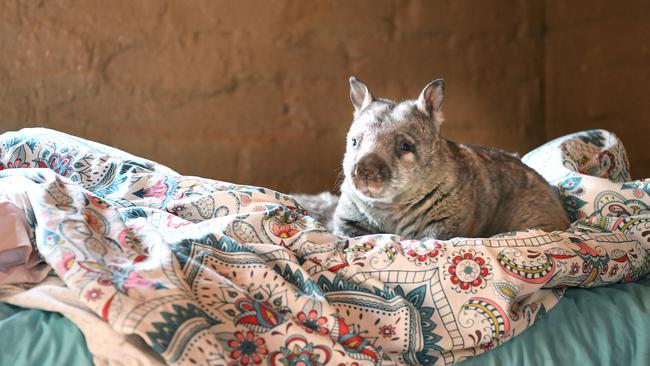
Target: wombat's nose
<point x="371" y="168"/>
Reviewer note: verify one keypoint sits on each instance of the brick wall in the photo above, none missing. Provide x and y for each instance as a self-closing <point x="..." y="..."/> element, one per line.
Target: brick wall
<point x="256" y="92"/>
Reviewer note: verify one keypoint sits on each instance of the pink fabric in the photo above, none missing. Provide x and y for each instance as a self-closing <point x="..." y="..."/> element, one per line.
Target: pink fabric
<point x="19" y="262"/>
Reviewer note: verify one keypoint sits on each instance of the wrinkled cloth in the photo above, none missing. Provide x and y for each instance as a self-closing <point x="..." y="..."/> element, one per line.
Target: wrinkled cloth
<point x="19" y="261"/>
<point x="208" y="272"/>
<point x="107" y="347"/>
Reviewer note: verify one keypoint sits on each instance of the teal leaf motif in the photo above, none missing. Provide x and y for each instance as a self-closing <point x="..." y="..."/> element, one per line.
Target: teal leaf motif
<point x="226" y="244"/>
<point x="296" y="278"/>
<point x="174" y="321"/>
<point x="339" y="283"/>
<point x="572" y="205"/>
<point x="416" y="297"/>
<point x="113" y="187"/>
<point x="593" y="137"/>
<point x="132" y="213"/>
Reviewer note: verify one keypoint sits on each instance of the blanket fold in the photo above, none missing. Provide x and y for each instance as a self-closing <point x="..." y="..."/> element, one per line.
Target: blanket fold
<point x="20" y="262"/>
<point x="208" y="272"/>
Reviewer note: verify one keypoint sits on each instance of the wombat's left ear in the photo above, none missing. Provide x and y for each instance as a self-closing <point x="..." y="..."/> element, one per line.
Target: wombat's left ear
<point x="359" y="94"/>
<point x="430" y="99"/>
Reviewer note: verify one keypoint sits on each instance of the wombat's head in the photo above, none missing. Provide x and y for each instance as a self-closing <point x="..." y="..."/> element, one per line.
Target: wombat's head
<point x="391" y="147"/>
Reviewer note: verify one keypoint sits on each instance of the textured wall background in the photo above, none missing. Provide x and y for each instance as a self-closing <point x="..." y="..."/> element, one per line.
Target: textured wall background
<point x="598" y="72"/>
<point x="256" y="92"/>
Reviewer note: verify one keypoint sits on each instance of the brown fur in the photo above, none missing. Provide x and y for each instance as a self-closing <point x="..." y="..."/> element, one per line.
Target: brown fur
<point x="440" y="189"/>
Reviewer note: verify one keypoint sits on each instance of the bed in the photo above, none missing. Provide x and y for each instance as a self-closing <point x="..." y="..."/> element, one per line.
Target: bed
<point x="37" y="337"/>
<point x="153" y="267"/>
<point x="588" y="322"/>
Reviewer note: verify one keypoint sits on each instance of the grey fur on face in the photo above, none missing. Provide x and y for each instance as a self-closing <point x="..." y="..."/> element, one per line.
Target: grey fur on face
<point x="402" y="177"/>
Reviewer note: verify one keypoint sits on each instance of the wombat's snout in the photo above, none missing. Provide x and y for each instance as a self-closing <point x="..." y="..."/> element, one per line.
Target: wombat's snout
<point x="370" y="173"/>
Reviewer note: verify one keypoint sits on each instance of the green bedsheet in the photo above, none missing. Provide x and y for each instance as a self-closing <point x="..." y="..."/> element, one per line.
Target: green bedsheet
<point x="598" y="326"/>
<point x="35" y="337"/>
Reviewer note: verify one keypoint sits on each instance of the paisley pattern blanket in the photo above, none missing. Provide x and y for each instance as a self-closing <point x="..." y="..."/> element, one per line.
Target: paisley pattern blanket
<point x="213" y="273"/>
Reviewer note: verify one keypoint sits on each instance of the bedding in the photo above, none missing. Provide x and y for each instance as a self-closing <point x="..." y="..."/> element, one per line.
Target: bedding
<point x="620" y="339"/>
<point x="210" y="272"/>
<point x="51" y="340"/>
<point x="106" y="346"/>
<point x="598" y="326"/>
<point x="19" y="262"/>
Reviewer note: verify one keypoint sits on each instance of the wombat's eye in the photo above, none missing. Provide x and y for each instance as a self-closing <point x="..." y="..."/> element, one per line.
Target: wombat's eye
<point x="407" y="147"/>
<point x="354" y="142"/>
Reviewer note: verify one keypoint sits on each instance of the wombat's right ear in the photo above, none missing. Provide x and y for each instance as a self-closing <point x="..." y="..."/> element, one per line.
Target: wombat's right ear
<point x="430" y="99"/>
<point x="359" y="94"/>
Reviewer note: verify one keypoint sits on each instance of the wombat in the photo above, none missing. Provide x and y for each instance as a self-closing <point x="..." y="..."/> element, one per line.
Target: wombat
<point x="401" y="177"/>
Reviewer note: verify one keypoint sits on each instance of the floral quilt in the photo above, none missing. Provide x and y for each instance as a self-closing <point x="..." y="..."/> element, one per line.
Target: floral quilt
<point x="213" y="273"/>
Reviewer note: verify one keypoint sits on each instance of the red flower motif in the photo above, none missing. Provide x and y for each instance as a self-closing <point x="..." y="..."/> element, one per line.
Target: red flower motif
<point x="420" y="253"/>
<point x="284" y="231"/>
<point x="247" y="349"/>
<point x="177" y="209"/>
<point x="313" y="323"/>
<point x="468" y="270"/>
<point x="422" y="257"/>
<point x="387" y="330"/>
<point x="18" y="163"/>
<point x="60" y="164"/>
<point x="93" y="294"/>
